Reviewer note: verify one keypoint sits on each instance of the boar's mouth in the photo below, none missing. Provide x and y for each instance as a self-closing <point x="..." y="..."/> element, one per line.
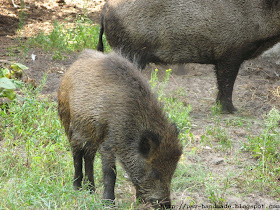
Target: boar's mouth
<point x="157" y="203"/>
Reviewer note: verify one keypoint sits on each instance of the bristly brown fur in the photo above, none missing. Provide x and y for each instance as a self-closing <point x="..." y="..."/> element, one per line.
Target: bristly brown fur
<point x="105" y="103"/>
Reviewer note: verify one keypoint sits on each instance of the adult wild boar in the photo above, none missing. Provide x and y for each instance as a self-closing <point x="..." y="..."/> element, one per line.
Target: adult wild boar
<point x="104" y="102"/>
<point x="219" y="32"/>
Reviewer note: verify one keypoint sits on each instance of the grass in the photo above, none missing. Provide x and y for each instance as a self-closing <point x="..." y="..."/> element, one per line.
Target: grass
<point x="63" y="39"/>
<point x="265" y="148"/>
<point x="216" y="132"/>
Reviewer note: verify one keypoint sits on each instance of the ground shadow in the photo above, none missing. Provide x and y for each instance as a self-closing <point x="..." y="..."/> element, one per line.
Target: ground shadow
<point x="8" y="25"/>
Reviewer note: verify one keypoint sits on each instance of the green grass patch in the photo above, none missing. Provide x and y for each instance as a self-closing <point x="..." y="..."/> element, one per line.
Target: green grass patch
<point x="265" y="148"/>
<point x="198" y="178"/>
<point x="215" y="132"/>
<point x="62" y="39"/>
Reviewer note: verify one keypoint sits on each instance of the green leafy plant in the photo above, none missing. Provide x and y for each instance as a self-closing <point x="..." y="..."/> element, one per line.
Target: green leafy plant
<point x="8" y="80"/>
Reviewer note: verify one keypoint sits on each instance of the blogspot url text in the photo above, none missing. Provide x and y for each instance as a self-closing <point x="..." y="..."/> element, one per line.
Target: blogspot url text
<point x="231" y="206"/>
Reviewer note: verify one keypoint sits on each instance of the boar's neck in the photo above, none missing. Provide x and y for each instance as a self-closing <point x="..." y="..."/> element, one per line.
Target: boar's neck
<point x="267" y="23"/>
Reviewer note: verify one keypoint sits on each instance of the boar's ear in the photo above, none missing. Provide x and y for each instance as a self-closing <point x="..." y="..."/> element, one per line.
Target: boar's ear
<point x="149" y="141"/>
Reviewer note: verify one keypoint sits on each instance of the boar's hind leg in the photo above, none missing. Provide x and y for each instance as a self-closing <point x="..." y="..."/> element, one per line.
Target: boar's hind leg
<point x="89" y="154"/>
<point x="226" y="73"/>
<point x="109" y="172"/>
<point x="78" y="166"/>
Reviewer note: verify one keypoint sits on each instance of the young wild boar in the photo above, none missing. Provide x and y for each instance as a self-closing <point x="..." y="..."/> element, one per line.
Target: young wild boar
<point x="103" y="102"/>
<point x="223" y="33"/>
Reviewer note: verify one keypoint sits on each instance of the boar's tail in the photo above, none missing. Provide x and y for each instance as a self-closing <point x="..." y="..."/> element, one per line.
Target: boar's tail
<point x="100" y="46"/>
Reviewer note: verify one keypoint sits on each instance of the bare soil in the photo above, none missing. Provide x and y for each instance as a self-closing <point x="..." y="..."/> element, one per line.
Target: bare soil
<point x="256" y="91"/>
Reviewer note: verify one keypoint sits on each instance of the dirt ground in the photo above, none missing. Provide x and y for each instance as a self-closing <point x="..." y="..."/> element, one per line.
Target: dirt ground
<point x="256" y="91"/>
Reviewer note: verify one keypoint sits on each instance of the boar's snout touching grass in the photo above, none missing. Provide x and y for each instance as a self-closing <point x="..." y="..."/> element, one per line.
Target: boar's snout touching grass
<point x="223" y="33"/>
<point x="104" y="103"/>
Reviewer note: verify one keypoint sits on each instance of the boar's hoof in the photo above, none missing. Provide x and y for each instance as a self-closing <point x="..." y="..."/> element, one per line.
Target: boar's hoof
<point x="77" y="185"/>
<point x="228" y="109"/>
<point x="108" y="198"/>
<point x="226" y="106"/>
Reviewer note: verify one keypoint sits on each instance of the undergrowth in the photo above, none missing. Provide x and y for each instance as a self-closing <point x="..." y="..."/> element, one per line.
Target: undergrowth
<point x="215" y="131"/>
<point x="265" y="148"/>
<point x="62" y="39"/>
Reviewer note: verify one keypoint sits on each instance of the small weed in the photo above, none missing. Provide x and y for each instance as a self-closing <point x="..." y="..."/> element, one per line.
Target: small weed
<point x="219" y="134"/>
<point x="216" y="109"/>
<point x="206" y="140"/>
<point x="236" y="122"/>
<point x="157" y="85"/>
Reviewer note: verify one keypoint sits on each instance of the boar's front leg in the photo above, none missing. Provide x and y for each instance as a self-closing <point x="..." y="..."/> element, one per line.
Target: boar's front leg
<point x="109" y="172"/>
<point x="226" y="72"/>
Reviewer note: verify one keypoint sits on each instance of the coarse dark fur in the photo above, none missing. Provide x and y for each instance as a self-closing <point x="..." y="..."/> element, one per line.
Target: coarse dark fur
<point x="104" y="102"/>
<point x="219" y="32"/>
